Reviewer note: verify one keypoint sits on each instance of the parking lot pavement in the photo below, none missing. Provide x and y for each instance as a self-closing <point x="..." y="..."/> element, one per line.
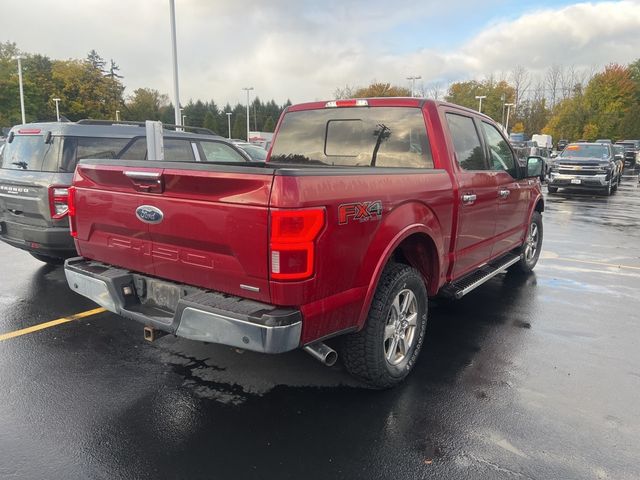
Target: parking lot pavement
<point x="526" y="377"/>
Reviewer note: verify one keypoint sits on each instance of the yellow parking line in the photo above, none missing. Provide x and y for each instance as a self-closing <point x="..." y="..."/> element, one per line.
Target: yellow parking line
<point x="52" y="323"/>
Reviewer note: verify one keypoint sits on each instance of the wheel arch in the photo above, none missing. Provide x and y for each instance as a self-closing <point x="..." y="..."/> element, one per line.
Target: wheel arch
<point x="416" y="246"/>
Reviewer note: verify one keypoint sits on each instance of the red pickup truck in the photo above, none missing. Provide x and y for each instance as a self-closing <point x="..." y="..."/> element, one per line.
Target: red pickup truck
<point x="363" y="210"/>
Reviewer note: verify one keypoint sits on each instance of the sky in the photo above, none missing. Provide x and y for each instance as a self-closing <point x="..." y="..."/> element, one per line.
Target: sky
<point x="303" y="50"/>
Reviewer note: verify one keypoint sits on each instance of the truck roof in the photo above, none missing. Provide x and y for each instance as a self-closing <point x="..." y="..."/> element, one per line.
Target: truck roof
<point x="385" y="102"/>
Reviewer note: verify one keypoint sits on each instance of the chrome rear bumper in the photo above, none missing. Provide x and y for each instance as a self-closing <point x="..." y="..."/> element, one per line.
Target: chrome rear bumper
<point x="194" y="313"/>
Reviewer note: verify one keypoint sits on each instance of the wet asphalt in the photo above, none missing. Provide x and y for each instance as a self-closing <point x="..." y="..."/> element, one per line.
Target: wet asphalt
<point x="532" y="377"/>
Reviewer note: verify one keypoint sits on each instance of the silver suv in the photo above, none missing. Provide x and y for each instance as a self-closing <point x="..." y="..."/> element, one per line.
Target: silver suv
<point x="37" y="165"/>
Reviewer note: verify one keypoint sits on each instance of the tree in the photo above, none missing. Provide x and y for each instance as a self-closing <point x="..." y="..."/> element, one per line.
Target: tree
<point x="607" y="97"/>
<point x="269" y="125"/>
<point x="145" y="104"/>
<point x="342" y="93"/>
<point x="497" y="93"/>
<point x="96" y="61"/>
<point x="239" y="129"/>
<point x="210" y="122"/>
<point x="378" y="89"/>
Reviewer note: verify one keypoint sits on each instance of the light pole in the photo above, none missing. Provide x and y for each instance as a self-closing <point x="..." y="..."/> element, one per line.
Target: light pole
<point x="479" y="98"/>
<point x="174" y="56"/>
<point x="183" y="117"/>
<point x="57" y="100"/>
<point x="502" y="98"/>
<point x="247" y="89"/>
<point x="19" y="58"/>
<point x="508" y="105"/>
<point x="117" y="115"/>
<point x="413" y="82"/>
<point x="229" y="123"/>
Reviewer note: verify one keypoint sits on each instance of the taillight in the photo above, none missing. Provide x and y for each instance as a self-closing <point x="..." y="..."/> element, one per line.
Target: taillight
<point x="71" y="203"/>
<point x="293" y="233"/>
<point x="58" y="201"/>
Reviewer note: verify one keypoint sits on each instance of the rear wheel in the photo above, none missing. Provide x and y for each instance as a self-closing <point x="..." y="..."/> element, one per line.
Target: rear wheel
<point x="47" y="259"/>
<point x="386" y="349"/>
<point x="532" y="246"/>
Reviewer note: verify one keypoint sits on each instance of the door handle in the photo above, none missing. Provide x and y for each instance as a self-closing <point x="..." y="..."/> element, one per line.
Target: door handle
<point x="504" y="193"/>
<point x="469" y="197"/>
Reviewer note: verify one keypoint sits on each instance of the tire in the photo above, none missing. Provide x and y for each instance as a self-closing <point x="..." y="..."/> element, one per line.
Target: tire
<point x="552" y="189"/>
<point x="47" y="259"/>
<point x="530" y="252"/>
<point x="398" y="316"/>
<point x="608" y="189"/>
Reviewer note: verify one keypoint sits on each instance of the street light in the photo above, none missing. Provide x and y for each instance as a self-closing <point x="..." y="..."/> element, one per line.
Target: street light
<point x="247" y="89"/>
<point x="480" y="97"/>
<point x="508" y="105"/>
<point x="117" y="115"/>
<point x="229" y="123"/>
<point x="57" y="100"/>
<point x="19" y="58"/>
<point x="174" y="57"/>
<point x="413" y="82"/>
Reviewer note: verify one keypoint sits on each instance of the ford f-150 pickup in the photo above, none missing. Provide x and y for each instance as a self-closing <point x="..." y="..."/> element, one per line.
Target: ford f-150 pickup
<point x="363" y="210"/>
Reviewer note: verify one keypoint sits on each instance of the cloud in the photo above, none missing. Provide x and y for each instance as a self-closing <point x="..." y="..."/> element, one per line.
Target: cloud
<point x="304" y="50"/>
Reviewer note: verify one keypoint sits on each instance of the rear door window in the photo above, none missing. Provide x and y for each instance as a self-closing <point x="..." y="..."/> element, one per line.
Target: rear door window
<point x="79" y="148"/>
<point x="466" y="142"/>
<point x="30" y="152"/>
<point x="176" y="150"/>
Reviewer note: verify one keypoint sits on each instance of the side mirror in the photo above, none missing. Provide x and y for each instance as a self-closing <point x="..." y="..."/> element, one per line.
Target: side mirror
<point x="553" y="154"/>
<point x="535" y="167"/>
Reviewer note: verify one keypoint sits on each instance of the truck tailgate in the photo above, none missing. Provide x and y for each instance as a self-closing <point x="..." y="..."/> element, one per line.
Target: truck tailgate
<point x="197" y="224"/>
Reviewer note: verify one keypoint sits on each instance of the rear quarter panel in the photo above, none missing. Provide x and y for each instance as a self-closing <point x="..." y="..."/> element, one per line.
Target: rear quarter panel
<point x="351" y="256"/>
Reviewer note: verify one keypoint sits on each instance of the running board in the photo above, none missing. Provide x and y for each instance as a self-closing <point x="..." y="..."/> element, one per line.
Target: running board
<point x="461" y="287"/>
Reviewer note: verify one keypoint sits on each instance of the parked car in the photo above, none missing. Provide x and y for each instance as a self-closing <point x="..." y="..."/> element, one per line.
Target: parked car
<point x="37" y="168"/>
<point x="346" y="230"/>
<point x="618" y="154"/>
<point x="586" y="166"/>
<point x="631" y="151"/>
<point x="561" y="144"/>
<point x="257" y="154"/>
<point x="604" y="140"/>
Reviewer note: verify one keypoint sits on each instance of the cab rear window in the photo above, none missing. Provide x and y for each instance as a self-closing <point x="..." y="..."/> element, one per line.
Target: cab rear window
<point x="354" y="137"/>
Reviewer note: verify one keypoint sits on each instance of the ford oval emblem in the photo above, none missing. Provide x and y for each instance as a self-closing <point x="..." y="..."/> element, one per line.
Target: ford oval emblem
<point x="149" y="214"/>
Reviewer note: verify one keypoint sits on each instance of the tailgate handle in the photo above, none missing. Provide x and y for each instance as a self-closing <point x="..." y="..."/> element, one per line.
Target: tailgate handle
<point x="148" y="182"/>
<point x="148" y="176"/>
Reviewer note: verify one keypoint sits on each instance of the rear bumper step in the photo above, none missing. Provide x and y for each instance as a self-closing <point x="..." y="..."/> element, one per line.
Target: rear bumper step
<point x="186" y="311"/>
<point x="461" y="287"/>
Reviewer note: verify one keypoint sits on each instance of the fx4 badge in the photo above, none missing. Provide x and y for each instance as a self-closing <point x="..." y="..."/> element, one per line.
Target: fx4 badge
<point x="360" y="211"/>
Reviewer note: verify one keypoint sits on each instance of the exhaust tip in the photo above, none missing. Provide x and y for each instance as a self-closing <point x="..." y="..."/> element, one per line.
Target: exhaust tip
<point x="148" y="334"/>
<point x="323" y="353"/>
<point x="331" y="358"/>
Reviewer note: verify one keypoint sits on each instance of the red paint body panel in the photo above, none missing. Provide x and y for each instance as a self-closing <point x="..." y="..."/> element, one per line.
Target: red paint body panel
<point x="216" y="226"/>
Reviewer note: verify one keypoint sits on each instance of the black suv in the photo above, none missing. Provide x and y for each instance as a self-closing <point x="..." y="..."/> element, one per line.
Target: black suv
<point x="37" y="165"/>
